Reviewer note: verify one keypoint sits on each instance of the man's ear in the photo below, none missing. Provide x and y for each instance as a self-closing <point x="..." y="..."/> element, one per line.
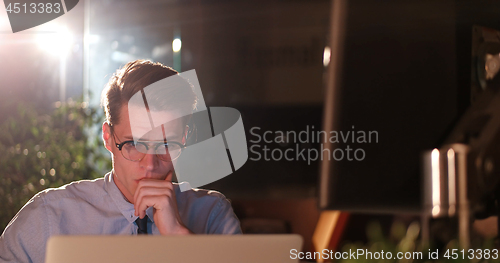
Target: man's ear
<point x="107" y="138"/>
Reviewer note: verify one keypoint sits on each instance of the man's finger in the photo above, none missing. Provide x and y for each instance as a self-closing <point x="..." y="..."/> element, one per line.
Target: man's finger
<point x="154" y="183"/>
<point x="150" y="191"/>
<point x="169" y="176"/>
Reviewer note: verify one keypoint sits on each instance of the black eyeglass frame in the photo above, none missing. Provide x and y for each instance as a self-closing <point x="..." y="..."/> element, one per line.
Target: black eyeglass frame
<point x="120" y="146"/>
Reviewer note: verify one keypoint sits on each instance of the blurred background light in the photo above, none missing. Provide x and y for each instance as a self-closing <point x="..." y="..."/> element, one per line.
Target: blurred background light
<point x="57" y="42"/>
<point x="122" y="57"/>
<point x="176" y="45"/>
<point x="160" y="51"/>
<point x="92" y="39"/>
<point x="326" y="56"/>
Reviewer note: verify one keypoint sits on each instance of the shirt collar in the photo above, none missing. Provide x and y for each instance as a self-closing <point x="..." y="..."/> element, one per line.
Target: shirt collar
<point x="126" y="208"/>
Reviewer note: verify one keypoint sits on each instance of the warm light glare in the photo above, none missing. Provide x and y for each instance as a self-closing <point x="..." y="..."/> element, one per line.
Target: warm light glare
<point x="176" y="45"/>
<point x="58" y="42"/>
<point x="451" y="180"/>
<point x="436" y="210"/>
<point x="435" y="182"/>
<point x="326" y="56"/>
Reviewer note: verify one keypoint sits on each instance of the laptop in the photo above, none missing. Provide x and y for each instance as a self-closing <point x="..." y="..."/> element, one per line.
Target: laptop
<point x="174" y="249"/>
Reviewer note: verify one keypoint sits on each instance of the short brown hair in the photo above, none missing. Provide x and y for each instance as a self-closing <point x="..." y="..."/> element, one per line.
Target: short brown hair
<point x="135" y="76"/>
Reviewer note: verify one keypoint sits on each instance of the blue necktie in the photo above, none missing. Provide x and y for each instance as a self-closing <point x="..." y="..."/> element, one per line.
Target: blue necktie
<point x="143" y="225"/>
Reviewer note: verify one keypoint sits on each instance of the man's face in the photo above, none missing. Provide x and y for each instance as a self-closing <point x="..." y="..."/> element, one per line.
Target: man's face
<point x="127" y="174"/>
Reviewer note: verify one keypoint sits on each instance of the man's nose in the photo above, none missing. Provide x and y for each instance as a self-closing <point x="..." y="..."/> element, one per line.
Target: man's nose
<point x="149" y="161"/>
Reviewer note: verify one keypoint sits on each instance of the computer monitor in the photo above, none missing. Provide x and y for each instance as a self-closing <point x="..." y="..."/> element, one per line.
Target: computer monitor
<point x="398" y="79"/>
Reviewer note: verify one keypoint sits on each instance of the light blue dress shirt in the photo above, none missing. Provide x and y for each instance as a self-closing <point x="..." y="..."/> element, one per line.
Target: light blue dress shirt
<point x="98" y="207"/>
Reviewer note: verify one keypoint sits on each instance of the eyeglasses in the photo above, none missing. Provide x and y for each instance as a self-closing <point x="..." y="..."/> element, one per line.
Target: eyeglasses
<point x="135" y="151"/>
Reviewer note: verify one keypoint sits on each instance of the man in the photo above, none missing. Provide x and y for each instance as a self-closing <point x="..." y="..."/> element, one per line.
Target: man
<point x="137" y="196"/>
